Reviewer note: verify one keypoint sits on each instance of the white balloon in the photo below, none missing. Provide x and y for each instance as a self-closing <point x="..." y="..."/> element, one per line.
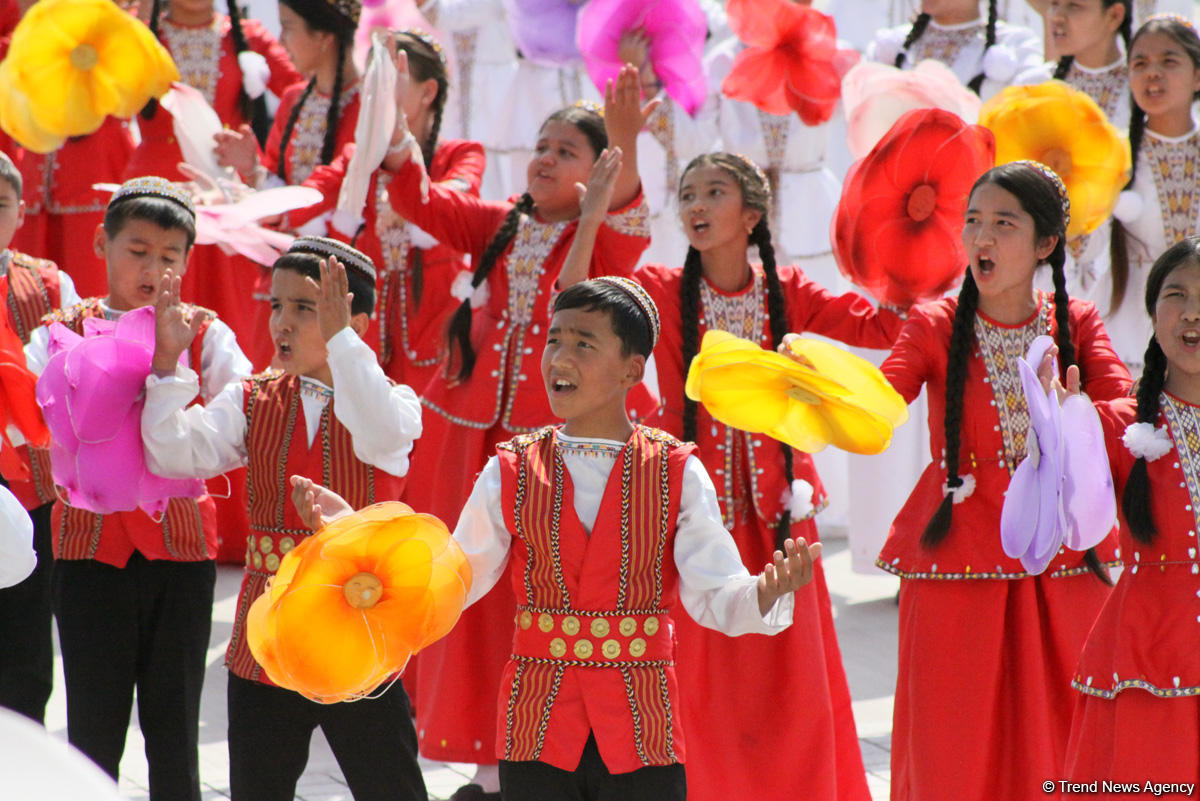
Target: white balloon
<point x="17" y="558"/>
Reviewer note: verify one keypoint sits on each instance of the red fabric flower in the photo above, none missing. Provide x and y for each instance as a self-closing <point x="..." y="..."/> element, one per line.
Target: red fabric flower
<point x="898" y="228"/>
<point x="18" y="401"/>
<point x="791" y="62"/>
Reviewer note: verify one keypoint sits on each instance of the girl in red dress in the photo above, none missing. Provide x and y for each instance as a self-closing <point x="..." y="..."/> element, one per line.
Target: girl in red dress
<point x="768" y="492"/>
<point x="986" y="651"/>
<point x="1137" y="717"/>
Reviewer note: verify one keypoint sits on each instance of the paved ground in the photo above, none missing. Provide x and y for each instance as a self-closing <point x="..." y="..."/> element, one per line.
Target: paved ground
<point x="864" y="610"/>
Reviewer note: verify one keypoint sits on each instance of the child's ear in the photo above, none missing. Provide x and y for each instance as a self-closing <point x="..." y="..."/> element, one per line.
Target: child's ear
<point x="20" y="213"/>
<point x="429" y="90"/>
<point x="359" y="323"/>
<point x="99" y="241"/>
<point x="636" y="369"/>
<point x="750" y="217"/>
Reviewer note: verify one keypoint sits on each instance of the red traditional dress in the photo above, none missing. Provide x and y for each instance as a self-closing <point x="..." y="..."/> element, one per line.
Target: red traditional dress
<point x="464" y="422"/>
<point x="407" y="331"/>
<point x="720" y="719"/>
<point x="62" y="209"/>
<point x="986" y="652"/>
<point x="1137" y="717"/>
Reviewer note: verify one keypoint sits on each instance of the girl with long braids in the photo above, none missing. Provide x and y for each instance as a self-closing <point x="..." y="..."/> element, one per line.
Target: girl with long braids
<point x="767" y="492"/>
<point x="522" y="254"/>
<point x="1137" y="714"/>
<point x="986" y="651"/>
<point x="415" y="270"/>
<point x="1161" y="204"/>
<point x="985" y="54"/>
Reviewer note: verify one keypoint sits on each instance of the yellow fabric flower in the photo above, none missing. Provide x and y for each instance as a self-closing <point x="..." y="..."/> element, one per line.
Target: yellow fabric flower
<point x="350" y="605"/>
<point x="831" y="397"/>
<point x="1064" y="129"/>
<point x="71" y="64"/>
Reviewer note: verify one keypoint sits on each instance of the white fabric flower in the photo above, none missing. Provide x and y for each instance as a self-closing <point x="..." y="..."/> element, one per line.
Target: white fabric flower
<point x="255" y="73"/>
<point x="888" y="44"/>
<point x="1129" y="206"/>
<point x="1000" y="63"/>
<point x="1147" y="442"/>
<point x="963" y="491"/>
<point x="798" y="499"/>
<point x="462" y="289"/>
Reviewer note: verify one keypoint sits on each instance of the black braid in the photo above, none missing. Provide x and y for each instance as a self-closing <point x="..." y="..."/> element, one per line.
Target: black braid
<point x="151" y="107"/>
<point x="253" y="111"/>
<point x="1126" y="29"/>
<point x="1064" y="66"/>
<point x="328" y="149"/>
<point x="914" y="33"/>
<point x="1062" y="316"/>
<point x="1135" y="502"/>
<point x="1118" y="243"/>
<point x="290" y="126"/>
<point x="458" y="336"/>
<point x="689" y="318"/>
<point x="976" y="83"/>
<point x="961" y="339"/>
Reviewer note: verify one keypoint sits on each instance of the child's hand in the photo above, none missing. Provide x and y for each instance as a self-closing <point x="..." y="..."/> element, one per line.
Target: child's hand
<point x="172" y="332"/>
<point x="787" y="573"/>
<point x="1049" y="379"/>
<point x="333" y="305"/>
<point x="317" y="505"/>
<point x="594" y="199"/>
<point x="785" y="349"/>
<point x="624" y="114"/>
<point x="237" y="149"/>
<point x="633" y="47"/>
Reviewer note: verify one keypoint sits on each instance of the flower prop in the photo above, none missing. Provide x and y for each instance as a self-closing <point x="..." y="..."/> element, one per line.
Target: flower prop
<point x="18" y="401"/>
<point x="351" y="604"/>
<point x="17" y="557"/>
<point x="1062" y="492"/>
<point x="876" y="95"/>
<point x="791" y="60"/>
<point x="544" y="30"/>
<point x="1064" y="129"/>
<point x="71" y="64"/>
<point x="897" y="230"/>
<point x="675" y="30"/>
<point x="829" y="397"/>
<point x="92" y="393"/>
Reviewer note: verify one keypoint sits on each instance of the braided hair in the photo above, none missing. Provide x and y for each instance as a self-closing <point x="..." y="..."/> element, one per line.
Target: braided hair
<point x="1118" y="245"/>
<point x="458" y="334"/>
<point x="756" y="195"/>
<point x="914" y="33"/>
<point x="1064" y="63"/>
<point x="320" y="17"/>
<point x="976" y="83"/>
<point x="1135" y="501"/>
<point x="1040" y="198"/>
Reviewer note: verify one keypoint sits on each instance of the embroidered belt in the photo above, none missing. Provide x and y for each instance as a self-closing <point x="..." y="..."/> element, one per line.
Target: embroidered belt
<point x="265" y="549"/>
<point x="588" y="638"/>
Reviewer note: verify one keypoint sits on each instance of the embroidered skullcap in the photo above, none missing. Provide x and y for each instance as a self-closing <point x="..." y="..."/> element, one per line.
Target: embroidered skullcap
<point x="641" y="298"/>
<point x="324" y="247"/>
<point x="422" y="35"/>
<point x="1051" y="176"/>
<point x="153" y="186"/>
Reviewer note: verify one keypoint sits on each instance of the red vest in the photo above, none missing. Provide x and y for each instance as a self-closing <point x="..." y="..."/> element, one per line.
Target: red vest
<point x="33" y="292"/>
<point x="187" y="531"/>
<point x="593" y="644"/>
<point x="277" y="444"/>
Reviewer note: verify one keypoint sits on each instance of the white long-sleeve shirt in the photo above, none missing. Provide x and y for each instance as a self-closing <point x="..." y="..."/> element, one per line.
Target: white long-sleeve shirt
<point x="204" y="441"/>
<point x="714" y="586"/>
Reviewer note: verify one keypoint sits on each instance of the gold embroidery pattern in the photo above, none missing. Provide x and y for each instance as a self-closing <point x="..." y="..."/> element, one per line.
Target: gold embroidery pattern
<point x="1174" y="167"/>
<point x="1106" y="88"/>
<point x="638" y="745"/>
<point x="1184" y="426"/>
<point x="555" y="537"/>
<point x="464" y="53"/>
<point x="197" y="53"/>
<point x="526" y="263"/>
<point x="395" y="244"/>
<point x="661" y="126"/>
<point x="308" y="137"/>
<point x="943" y="45"/>
<point x="544" y="721"/>
<point x="631" y="222"/>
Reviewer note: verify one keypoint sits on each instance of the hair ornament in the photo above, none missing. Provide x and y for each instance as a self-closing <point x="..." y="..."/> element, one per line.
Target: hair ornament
<point x="589" y="105"/>
<point x="422" y="35"/>
<point x="1182" y="20"/>
<point x="1051" y="176"/>
<point x="962" y="491"/>
<point x="762" y="176"/>
<point x="643" y="300"/>
<point x="1147" y="442"/>
<point x="324" y="247"/>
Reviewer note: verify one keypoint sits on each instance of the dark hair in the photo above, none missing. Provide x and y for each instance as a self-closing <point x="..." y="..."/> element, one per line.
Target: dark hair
<point x="1118" y="245"/>
<point x="922" y="22"/>
<point x="319" y="17"/>
<point x="1064" y="63"/>
<point x="1135" y="501"/>
<point x="309" y="264"/>
<point x="628" y="320"/>
<point x="10" y="173"/>
<point x="755" y="195"/>
<point x="1040" y="199"/>
<point x="166" y="214"/>
<point x="458" y="334"/>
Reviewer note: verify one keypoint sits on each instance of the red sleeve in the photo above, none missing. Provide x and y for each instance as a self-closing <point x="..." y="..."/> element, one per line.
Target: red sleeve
<point x="459" y="163"/>
<point x="622" y="239"/>
<point x="260" y="40"/>
<point x="911" y="362"/>
<point x="287" y="101"/>
<point x="1115" y="417"/>
<point x="326" y="178"/>
<point x="462" y="221"/>
<point x="1104" y="375"/>
<point x="848" y="318"/>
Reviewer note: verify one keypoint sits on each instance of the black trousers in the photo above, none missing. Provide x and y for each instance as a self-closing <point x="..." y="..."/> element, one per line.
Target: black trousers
<point x="270" y="729"/>
<point x="143" y="627"/>
<point x="591" y="781"/>
<point x="26" y="649"/>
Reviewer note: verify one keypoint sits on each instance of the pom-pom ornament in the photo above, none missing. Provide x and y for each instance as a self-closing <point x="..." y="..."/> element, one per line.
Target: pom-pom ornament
<point x="829" y="397"/>
<point x="350" y="605"/>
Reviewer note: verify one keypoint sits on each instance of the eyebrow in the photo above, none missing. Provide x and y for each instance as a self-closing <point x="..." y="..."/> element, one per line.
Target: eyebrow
<point x="1012" y="215"/>
<point x="581" y="332"/>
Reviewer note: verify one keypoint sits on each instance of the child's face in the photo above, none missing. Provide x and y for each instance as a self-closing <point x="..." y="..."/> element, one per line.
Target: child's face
<point x="1161" y="74"/>
<point x="295" y="328"/>
<point x="711" y="209"/>
<point x="562" y="158"/>
<point x="136" y="259"/>
<point x="1002" y="245"/>
<point x="1078" y="25"/>
<point x="12" y="213"/>
<point x="1177" y="321"/>
<point x="584" y="371"/>
<point x="186" y="11"/>
<point x="305" y="47"/>
<point x="947" y="11"/>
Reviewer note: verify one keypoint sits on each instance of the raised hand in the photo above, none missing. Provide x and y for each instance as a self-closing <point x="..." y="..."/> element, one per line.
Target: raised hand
<point x="237" y="149"/>
<point x="173" y="332"/>
<point x="624" y="114"/>
<point x="333" y="303"/>
<point x="317" y="505"/>
<point x="1048" y="376"/>
<point x="787" y="573"/>
<point x="595" y="198"/>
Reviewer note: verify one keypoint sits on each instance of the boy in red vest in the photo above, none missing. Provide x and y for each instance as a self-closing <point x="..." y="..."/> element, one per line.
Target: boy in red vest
<point x="605" y="525"/>
<point x="35" y="288"/>
<point x="332" y="412"/>
<point x="133" y="595"/>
